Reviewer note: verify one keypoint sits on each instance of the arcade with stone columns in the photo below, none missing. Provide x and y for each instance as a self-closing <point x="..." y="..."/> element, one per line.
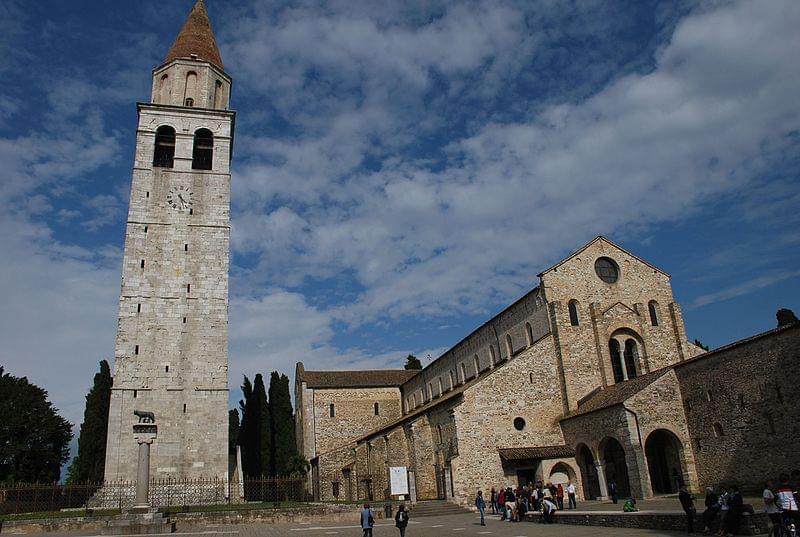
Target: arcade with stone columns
<point x="588" y="378"/>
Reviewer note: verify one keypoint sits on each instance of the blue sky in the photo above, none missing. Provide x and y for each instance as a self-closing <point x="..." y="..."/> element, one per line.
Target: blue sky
<point x="403" y="170"/>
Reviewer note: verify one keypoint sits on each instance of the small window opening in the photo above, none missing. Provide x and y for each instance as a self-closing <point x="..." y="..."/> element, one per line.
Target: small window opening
<point x="332" y="410"/>
<point x="184" y="320"/>
<point x="135" y="393"/>
<point x="202" y="154"/>
<point x="191" y="211"/>
<point x="185" y="247"/>
<point x="164" y="155"/>
<point x="718" y="432"/>
<point x="147" y="194"/>
<point x="651" y="306"/>
<point x="770" y="424"/>
<point x="166" y="369"/>
<point x="377" y="409"/>
<point x="742" y="402"/>
<point x="142" y="263"/>
<point x="188" y="287"/>
<point x="189" y="102"/>
<point x="136" y="349"/>
<point x="138" y="308"/>
<point x="531" y="377"/>
<point x="335" y="486"/>
<point x="145" y="229"/>
<point x="573" y="312"/>
<point x="519" y="423"/>
<point x="184" y="408"/>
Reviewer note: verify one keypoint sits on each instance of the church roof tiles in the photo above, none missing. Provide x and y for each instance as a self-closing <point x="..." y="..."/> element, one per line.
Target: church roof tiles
<point x="375" y="378"/>
<point x="196" y="38"/>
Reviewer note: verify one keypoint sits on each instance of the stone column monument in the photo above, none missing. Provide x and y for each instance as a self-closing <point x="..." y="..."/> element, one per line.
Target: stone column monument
<point x="144" y="433"/>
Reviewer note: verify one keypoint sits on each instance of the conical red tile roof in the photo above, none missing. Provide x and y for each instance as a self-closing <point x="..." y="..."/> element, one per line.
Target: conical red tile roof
<point x="196" y="37"/>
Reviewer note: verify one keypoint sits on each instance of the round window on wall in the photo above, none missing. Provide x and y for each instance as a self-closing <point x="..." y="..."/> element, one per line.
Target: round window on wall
<point x="519" y="424"/>
<point x="606" y="269"/>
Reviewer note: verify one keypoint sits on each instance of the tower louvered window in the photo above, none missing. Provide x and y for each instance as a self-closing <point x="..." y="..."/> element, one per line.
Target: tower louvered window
<point x="164" y="154"/>
<point x="202" y="155"/>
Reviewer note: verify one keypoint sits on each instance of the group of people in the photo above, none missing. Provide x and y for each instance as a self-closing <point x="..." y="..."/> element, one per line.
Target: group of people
<point x="724" y="507"/>
<point x="512" y="504"/>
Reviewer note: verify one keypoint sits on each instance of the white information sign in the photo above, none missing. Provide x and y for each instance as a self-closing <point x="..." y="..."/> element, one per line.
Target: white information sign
<point x="398" y="479"/>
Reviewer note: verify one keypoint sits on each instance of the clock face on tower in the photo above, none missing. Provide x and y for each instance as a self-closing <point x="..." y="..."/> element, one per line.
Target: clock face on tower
<point x="180" y="197"/>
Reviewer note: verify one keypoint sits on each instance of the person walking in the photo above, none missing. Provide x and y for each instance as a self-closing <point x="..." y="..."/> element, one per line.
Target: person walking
<point x="493" y="500"/>
<point x="787" y="503"/>
<point x="401" y="519"/>
<point x="481" y="505"/>
<point x="735" y="509"/>
<point x="724" y="509"/>
<point x="612" y="490"/>
<point x="367" y="520"/>
<point x="501" y="503"/>
<point x="571" y="495"/>
<point x="687" y="503"/>
<point x="560" y="496"/>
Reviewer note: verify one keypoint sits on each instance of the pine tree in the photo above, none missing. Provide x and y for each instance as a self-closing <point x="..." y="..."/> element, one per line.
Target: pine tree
<point x="412" y="362"/>
<point x="785" y="317"/>
<point x="89" y="464"/>
<point x="283" y="440"/>
<point x="34" y="439"/>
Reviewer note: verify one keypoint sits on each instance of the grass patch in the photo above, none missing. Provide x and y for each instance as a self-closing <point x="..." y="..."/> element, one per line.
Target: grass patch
<point x="57" y="515"/>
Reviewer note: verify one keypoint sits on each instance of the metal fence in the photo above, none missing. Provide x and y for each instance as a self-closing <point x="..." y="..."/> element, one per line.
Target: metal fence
<point x="29" y="498"/>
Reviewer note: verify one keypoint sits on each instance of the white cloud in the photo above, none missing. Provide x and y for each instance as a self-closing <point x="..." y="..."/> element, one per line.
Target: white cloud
<point x="716" y="111"/>
<point x="745" y="288"/>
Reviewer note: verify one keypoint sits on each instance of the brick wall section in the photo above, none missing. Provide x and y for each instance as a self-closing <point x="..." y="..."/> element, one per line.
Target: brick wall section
<point x="750" y="383"/>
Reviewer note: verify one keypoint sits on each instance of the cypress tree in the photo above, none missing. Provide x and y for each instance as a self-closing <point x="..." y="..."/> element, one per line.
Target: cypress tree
<point x="283" y="427"/>
<point x="233" y="430"/>
<point x="255" y="435"/>
<point x="89" y="464"/>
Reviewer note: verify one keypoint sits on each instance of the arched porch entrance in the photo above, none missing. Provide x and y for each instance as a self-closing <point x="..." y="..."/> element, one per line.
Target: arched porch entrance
<point x="616" y="467"/>
<point x="591" y="485"/>
<point x="664" y="454"/>
<point x="562" y="473"/>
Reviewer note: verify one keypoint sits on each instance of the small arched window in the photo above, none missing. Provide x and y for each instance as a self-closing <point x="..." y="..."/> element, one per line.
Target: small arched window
<point x="202" y="155"/>
<point x="218" y="94"/>
<point x="573" y="312"/>
<point x="441" y="386"/>
<point x="509" y="345"/>
<point x="492" y="355"/>
<point x="653" y="313"/>
<point x="631" y="357"/>
<point x="477" y="364"/>
<point x="529" y="333"/>
<point x="164" y="89"/>
<point x="164" y="154"/>
<point x="616" y="360"/>
<point x="377" y="409"/>
<point x="718" y="430"/>
<point x="463" y="372"/>
<point x="190" y="89"/>
<point x="452" y="380"/>
<point x="332" y="410"/>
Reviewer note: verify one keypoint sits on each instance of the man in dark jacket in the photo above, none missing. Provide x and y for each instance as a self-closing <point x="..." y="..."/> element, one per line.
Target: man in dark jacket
<point x="687" y="502"/>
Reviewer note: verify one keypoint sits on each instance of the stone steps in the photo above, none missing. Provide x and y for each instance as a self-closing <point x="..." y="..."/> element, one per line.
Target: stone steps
<point x="131" y="523"/>
<point x="436" y="508"/>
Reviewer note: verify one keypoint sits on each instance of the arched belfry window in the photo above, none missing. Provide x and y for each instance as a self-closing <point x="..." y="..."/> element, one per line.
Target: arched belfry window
<point x="191" y="89"/>
<point x="616" y="360"/>
<point x="653" y="313"/>
<point x="573" y="312"/>
<point x="202" y="155"/>
<point x="631" y="356"/>
<point x="164" y="154"/>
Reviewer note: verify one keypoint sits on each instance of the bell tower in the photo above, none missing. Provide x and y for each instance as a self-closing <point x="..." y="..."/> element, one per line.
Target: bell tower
<point x="171" y="355"/>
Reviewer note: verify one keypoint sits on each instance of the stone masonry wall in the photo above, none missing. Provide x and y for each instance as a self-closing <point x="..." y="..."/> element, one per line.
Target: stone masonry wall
<point x="171" y="347"/>
<point x="354" y="414"/>
<point x="750" y="392"/>
<point x="603" y="310"/>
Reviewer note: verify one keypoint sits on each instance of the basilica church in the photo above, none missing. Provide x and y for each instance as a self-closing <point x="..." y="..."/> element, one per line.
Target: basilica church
<point x="587" y="378"/>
